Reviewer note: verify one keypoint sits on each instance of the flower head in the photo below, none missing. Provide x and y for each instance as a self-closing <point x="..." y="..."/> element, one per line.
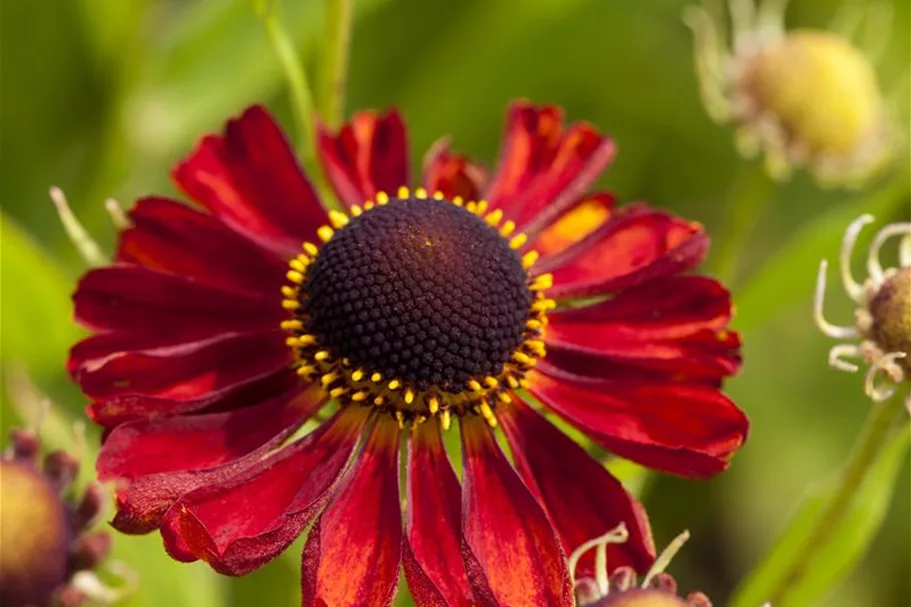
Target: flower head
<point x="883" y="318"/>
<point x="47" y="552"/>
<point x="805" y="97"/>
<point x="222" y="336"/>
<point x="620" y="587"/>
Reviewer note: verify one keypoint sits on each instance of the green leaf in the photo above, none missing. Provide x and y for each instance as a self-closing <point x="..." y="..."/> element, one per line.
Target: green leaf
<point x="789" y="276"/>
<point x="845" y="547"/>
<point x="36" y="314"/>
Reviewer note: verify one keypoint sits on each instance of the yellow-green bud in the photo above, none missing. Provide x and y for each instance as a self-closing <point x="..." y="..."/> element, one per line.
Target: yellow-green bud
<point x="821" y="89"/>
<point x="34" y="537"/>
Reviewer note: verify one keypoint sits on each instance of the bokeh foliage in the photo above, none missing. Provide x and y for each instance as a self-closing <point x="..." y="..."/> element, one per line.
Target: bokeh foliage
<point x="101" y="97"/>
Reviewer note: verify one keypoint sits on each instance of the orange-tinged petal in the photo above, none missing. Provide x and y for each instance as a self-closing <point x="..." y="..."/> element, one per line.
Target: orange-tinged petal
<point x="353" y="553"/>
<point x="506" y="530"/>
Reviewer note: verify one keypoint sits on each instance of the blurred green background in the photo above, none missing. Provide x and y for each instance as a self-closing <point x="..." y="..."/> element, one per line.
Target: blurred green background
<point x="100" y="97"/>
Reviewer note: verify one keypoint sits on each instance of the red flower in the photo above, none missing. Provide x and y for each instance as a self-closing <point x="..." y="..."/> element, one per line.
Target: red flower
<point x="218" y="337"/>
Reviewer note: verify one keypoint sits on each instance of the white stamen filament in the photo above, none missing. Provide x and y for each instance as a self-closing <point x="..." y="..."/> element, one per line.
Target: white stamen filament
<point x="664" y="559"/>
<point x="874" y="267"/>
<point x="854" y="290"/>
<point x="617" y="535"/>
<point x="837" y="353"/>
<point x="831" y="330"/>
<point x="118" y="217"/>
<point x="887" y="365"/>
<point x="79" y="236"/>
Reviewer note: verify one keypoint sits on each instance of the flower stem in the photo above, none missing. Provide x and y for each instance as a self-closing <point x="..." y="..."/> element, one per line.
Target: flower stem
<point x="868" y="445"/>
<point x="751" y="189"/>
<point x="334" y="73"/>
<point x="301" y="98"/>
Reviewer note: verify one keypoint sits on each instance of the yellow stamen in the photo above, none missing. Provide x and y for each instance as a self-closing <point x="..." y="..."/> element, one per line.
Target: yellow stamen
<point x="420" y="193"/>
<point x="328" y="378"/>
<point x="292" y="325"/>
<point x="355" y="210"/>
<point x="491" y="382"/>
<point x="544" y="281"/>
<point x="517" y="241"/>
<point x="321" y="355"/>
<point x="474" y="385"/>
<point x="513" y="383"/>
<point x="382" y="197"/>
<point x="290" y="304"/>
<point x="482" y="207"/>
<point x="529" y="259"/>
<point x="458" y="201"/>
<point x="336" y="392"/>
<point x="325" y="233"/>
<point x="306" y="339"/>
<point x="378" y="401"/>
<point x="376" y="378"/>
<point x="534" y="324"/>
<point x="409" y="396"/>
<point x="433" y="405"/>
<point x="337" y="219"/>
<point x="522" y="358"/>
<point x="310" y="249"/>
<point x="394" y="384"/>
<point x="438" y="195"/>
<point x="289" y="292"/>
<point x="368" y="205"/>
<point x="504" y="397"/>
<point x="494" y="217"/>
<point x="400" y="418"/>
<point x="359" y="396"/>
<point x="507" y="228"/>
<point x="404" y="193"/>
<point x="357" y="375"/>
<point x="296" y="274"/>
<point x="445" y="419"/>
<point x="306" y="370"/>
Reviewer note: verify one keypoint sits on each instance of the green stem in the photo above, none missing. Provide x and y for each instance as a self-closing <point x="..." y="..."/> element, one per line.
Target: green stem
<point x="334" y="73"/>
<point x="301" y="98"/>
<point x="867" y="447"/>
<point x="751" y="189"/>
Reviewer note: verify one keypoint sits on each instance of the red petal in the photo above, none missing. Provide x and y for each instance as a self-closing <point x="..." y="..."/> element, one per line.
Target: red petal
<point x="172" y="237"/>
<point x="139" y="300"/>
<point x="506" y="530"/>
<point x="352" y="555"/>
<point x="165" y="458"/>
<point x="242" y="523"/>
<point x="543" y="168"/>
<point x="453" y="174"/>
<point x="249" y="389"/>
<point x="675" y="326"/>
<point x="586" y="215"/>
<point x="433" y="558"/>
<point x="250" y="178"/>
<point x="686" y="429"/>
<point x="583" y="499"/>
<point x="636" y="246"/>
<point x="366" y="156"/>
<point x="188" y="371"/>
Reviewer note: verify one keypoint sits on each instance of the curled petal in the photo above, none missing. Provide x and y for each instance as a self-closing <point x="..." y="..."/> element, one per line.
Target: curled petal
<point x="138" y="300"/>
<point x="505" y="531"/>
<point x="353" y="553"/>
<point x="453" y="174"/>
<point x="685" y="429"/>
<point x="250" y="179"/>
<point x="634" y="247"/>
<point x="675" y="327"/>
<point x="543" y="167"/>
<point x="188" y="372"/>
<point x="586" y="215"/>
<point x="581" y="497"/>
<point x="156" y="461"/>
<point x="432" y="551"/>
<point x="229" y="396"/>
<point x="366" y="156"/>
<point x="168" y="236"/>
<point x="243" y="522"/>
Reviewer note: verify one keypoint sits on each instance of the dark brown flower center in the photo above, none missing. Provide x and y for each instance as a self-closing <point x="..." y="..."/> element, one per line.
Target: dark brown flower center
<point x="890" y="310"/>
<point x="423" y="291"/>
